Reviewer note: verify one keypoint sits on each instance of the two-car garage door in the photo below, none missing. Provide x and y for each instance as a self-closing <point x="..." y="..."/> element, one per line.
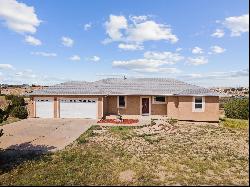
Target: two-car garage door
<point x="67" y="108"/>
<point x="78" y="108"/>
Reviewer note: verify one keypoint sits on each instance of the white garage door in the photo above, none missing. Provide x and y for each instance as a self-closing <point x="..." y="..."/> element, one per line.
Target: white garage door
<point x="44" y="108"/>
<point x="78" y="108"/>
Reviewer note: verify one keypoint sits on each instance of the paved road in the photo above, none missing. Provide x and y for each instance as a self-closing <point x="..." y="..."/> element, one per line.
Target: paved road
<point x="43" y="134"/>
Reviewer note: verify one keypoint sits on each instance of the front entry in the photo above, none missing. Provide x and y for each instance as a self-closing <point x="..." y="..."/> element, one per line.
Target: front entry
<point x="145" y="108"/>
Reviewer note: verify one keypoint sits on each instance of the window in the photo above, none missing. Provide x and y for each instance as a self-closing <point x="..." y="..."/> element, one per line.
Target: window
<point x="159" y="100"/>
<point x="198" y="104"/>
<point x="121" y="102"/>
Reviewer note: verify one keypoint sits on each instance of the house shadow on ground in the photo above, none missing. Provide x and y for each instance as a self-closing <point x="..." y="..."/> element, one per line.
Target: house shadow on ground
<point x="16" y="155"/>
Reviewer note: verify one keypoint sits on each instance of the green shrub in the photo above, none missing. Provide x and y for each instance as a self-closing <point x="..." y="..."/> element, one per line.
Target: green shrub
<point x="17" y="103"/>
<point x="237" y="108"/>
<point x="16" y="100"/>
<point x="19" y="112"/>
<point x="234" y="123"/>
<point x="172" y="121"/>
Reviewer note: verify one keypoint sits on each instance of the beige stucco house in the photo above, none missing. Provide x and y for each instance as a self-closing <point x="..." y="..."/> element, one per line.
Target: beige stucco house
<point x="127" y="97"/>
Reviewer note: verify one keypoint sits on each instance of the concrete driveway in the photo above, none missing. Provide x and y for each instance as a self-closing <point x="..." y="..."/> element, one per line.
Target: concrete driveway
<point x="43" y="134"/>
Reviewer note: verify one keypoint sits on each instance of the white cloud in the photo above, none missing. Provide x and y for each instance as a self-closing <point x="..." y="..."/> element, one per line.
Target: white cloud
<point x="75" y="58"/>
<point x="45" y="54"/>
<point x="114" y="26"/>
<point x="197" y="50"/>
<point x="237" y="25"/>
<point x="217" y="79"/>
<point x="138" y="63"/>
<point x="217" y="49"/>
<point x="141" y="65"/>
<point x="18" y="16"/>
<point x="130" y="47"/>
<point x="32" y="40"/>
<point x="157" y="70"/>
<point x="6" y="67"/>
<point x="219" y="33"/>
<point x="25" y="75"/>
<point x="66" y="41"/>
<point x="168" y="57"/>
<point x="29" y="77"/>
<point x="150" y="30"/>
<point x="94" y="59"/>
<point x="140" y="30"/>
<point x="197" y="60"/>
<point x="219" y="75"/>
<point x="138" y="19"/>
<point x="178" y="49"/>
<point x="152" y="62"/>
<point x="87" y="26"/>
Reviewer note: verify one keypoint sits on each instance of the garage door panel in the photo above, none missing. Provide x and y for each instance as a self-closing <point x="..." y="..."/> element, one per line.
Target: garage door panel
<point x="78" y="108"/>
<point x="44" y="108"/>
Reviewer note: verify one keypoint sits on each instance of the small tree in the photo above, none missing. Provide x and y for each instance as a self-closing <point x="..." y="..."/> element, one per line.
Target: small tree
<point x="19" y="112"/>
<point x="17" y="103"/>
<point x="237" y="108"/>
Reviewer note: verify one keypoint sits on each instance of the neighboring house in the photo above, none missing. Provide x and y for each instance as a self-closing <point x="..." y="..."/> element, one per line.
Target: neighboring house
<point x="128" y="97"/>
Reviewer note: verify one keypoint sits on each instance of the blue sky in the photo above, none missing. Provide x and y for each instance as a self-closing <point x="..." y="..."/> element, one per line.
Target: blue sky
<point x="201" y="42"/>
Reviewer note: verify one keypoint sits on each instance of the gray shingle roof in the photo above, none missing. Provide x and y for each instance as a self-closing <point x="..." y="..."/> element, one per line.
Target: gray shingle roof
<point x="130" y="86"/>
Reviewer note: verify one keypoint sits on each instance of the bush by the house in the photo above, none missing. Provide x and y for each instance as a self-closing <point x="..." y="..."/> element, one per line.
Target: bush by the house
<point x="237" y="108"/>
<point x="19" y="112"/>
<point x="223" y="100"/>
<point x="172" y="121"/>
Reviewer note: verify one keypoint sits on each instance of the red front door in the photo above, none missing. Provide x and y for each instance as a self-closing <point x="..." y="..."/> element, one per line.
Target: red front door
<point x="145" y="106"/>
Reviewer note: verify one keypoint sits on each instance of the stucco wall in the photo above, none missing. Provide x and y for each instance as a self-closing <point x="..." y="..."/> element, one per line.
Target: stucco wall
<point x="30" y="108"/>
<point x="184" y="110"/>
<point x="132" y="106"/>
<point x="105" y="105"/>
<point x="172" y="107"/>
<point x="159" y="109"/>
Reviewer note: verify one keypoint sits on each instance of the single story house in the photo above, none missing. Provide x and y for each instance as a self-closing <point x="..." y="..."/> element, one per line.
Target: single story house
<point x="128" y="97"/>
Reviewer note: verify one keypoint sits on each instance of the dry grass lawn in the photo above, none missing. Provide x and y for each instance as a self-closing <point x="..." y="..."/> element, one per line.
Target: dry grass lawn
<point x="182" y="153"/>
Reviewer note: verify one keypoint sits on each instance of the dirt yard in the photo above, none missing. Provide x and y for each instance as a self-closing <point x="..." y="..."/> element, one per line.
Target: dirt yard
<point x="182" y="153"/>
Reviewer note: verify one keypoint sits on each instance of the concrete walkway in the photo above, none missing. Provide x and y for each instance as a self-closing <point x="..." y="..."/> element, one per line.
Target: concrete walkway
<point x="43" y="134"/>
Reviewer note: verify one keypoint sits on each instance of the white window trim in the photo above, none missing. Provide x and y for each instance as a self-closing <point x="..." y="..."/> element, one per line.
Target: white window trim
<point x="203" y="105"/>
<point x="157" y="102"/>
<point x="125" y="98"/>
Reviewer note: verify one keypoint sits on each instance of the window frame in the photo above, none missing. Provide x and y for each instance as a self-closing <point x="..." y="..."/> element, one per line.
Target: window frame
<point x="159" y="102"/>
<point x="202" y="109"/>
<point x="125" y="100"/>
